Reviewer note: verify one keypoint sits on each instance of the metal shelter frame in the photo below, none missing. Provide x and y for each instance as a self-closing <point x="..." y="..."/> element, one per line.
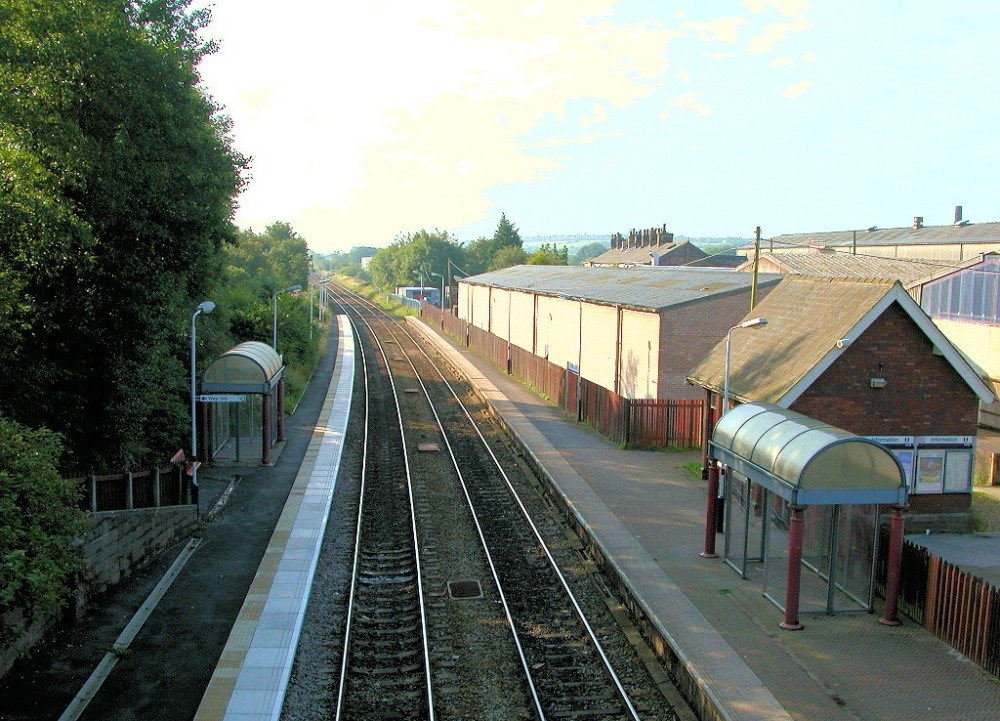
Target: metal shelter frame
<point x="805" y="462"/>
<point x="255" y="368"/>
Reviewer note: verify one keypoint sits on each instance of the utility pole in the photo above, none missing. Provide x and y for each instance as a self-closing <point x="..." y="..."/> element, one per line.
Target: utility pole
<point x="756" y="265"/>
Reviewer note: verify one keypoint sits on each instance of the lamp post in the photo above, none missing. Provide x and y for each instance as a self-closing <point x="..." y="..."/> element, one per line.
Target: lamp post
<point x="729" y="337"/>
<point x="715" y="497"/>
<point x="441" y="299"/>
<point x="274" y="322"/>
<point x="206" y="306"/>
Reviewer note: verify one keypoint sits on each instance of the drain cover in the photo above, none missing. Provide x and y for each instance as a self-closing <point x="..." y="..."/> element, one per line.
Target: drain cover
<point x="464" y="589"/>
<point x="428" y="447"/>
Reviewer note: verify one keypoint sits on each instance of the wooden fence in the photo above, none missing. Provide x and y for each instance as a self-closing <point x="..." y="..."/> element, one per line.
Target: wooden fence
<point x="141" y="489"/>
<point x="957" y="607"/>
<point x="632" y="423"/>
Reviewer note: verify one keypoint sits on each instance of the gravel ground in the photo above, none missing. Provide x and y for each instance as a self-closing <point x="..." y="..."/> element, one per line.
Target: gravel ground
<point x="312" y="689"/>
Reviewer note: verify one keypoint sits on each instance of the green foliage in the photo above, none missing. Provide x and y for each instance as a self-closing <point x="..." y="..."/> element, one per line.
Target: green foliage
<point x="39" y="521"/>
<point x="481" y="255"/>
<point x="588" y="251"/>
<point x="412" y="258"/>
<point x="117" y="177"/>
<point x="549" y="255"/>
<point x="507" y="257"/>
<point x="333" y="261"/>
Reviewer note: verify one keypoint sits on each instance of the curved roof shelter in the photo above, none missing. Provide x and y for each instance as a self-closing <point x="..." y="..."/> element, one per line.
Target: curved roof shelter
<point x="806" y="461"/>
<point x="250" y="367"/>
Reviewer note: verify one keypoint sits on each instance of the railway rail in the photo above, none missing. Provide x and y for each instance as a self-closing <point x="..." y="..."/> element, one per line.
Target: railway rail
<point x="458" y="607"/>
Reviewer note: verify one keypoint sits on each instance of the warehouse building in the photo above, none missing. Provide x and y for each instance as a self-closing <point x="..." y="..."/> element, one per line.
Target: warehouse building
<point x="634" y="331"/>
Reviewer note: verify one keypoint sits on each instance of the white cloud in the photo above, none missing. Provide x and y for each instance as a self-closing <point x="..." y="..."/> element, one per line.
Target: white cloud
<point x="414" y="110"/>
<point x="797" y="89"/>
<point x="774" y="33"/>
<point x="598" y="115"/>
<point x="724" y="29"/>
<point x="691" y="102"/>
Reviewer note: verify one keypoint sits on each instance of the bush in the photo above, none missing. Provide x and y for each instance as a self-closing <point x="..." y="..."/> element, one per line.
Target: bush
<point x="39" y="521"/>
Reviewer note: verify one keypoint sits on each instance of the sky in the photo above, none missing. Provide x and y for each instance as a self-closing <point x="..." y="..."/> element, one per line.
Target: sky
<point x="370" y="120"/>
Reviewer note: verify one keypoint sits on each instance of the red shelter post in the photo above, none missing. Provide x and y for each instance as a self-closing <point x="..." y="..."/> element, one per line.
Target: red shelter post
<point x="794" y="583"/>
<point x="710" y="509"/>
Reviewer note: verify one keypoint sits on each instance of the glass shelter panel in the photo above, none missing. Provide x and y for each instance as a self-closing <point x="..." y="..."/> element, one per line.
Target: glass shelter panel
<point x="744" y="525"/>
<point x="838" y="552"/>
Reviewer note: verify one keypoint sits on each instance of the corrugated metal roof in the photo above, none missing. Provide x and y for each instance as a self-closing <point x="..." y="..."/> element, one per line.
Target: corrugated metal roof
<point x="931" y="235"/>
<point x="842" y="265"/>
<point x="640" y="287"/>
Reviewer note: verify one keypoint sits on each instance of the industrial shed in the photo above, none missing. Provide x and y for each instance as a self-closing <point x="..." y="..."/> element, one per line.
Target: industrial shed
<point x="962" y="240"/>
<point x="635" y="331"/>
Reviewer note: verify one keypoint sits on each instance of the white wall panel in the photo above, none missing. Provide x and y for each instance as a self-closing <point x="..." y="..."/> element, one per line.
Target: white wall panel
<point x="600" y="343"/>
<point x="522" y="309"/>
<point x="640" y="352"/>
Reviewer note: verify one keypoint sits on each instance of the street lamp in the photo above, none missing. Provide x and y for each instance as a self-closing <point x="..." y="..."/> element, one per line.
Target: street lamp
<point x="441" y="299"/>
<point x="205" y="306"/>
<point x="729" y="336"/>
<point x="274" y="322"/>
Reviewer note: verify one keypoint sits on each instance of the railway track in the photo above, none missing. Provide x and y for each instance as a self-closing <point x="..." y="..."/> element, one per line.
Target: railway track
<point x="499" y="632"/>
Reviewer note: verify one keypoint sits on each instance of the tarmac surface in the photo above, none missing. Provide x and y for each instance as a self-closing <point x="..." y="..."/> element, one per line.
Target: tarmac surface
<point x="645" y="507"/>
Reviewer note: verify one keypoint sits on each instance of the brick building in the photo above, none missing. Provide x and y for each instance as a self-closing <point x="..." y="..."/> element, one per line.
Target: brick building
<point x="862" y="356"/>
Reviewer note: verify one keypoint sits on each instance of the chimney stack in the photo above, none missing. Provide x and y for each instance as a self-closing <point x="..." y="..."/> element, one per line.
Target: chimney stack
<point x="958" y="214"/>
<point x="918" y="222"/>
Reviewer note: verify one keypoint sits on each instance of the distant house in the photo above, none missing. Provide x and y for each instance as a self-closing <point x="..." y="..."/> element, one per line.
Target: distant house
<point x="634" y="331"/>
<point x="656" y="247"/>
<point x="863" y="356"/>
<point x="954" y="243"/>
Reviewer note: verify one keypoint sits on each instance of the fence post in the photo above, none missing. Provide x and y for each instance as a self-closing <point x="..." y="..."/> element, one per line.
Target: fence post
<point x="93" y="494"/>
<point x="156" y="487"/>
<point x="129" y="491"/>
<point x="626" y="414"/>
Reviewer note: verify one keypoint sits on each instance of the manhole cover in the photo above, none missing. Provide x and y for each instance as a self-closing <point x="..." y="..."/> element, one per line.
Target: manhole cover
<point x="428" y="447"/>
<point x="464" y="589"/>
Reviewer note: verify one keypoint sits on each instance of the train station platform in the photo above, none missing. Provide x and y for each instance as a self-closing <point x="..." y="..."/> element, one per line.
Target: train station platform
<point x="253" y="672"/>
<point x="644" y="511"/>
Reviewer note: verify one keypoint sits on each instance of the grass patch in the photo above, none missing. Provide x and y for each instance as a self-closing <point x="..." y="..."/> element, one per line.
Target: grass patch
<point x="985" y="510"/>
<point x="693" y="467"/>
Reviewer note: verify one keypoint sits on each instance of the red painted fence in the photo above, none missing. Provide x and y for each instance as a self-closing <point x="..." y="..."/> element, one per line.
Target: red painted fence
<point x="632" y="423"/>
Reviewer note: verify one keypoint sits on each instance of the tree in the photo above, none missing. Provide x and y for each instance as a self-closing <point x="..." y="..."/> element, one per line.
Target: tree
<point x="39" y="522"/>
<point x="411" y="258"/>
<point x="117" y="179"/>
<point x="481" y="253"/>
<point x="549" y="255"/>
<point x="508" y="256"/>
<point x="588" y="251"/>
